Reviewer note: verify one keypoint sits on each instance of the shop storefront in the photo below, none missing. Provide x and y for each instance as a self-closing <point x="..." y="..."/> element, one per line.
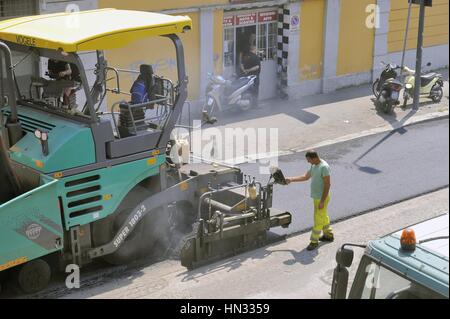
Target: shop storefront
<point x="244" y="28"/>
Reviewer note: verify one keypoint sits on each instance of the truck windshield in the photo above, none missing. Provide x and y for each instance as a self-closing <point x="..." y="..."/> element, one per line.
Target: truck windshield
<point x="375" y="281"/>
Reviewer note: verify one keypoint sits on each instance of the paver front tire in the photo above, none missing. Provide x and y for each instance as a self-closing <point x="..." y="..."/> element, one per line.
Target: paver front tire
<point x="34" y="276"/>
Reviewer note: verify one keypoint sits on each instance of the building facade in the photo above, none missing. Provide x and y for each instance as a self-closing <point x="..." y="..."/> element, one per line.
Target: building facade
<point x="310" y="46"/>
<point x="320" y="45"/>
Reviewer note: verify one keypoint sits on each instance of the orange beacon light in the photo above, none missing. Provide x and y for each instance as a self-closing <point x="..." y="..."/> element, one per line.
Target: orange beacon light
<point x="408" y="239"/>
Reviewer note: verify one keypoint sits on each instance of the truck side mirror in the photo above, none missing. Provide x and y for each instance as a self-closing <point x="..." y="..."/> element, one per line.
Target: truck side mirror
<point x="344" y="259"/>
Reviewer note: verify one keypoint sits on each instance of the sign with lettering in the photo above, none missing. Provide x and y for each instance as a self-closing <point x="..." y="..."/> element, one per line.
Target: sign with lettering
<point x="24" y="40"/>
<point x="245" y="19"/>
<point x="229" y="21"/>
<point x="269" y="16"/>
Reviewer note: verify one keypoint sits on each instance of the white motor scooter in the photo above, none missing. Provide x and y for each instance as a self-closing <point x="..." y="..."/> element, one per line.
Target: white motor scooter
<point x="222" y="94"/>
<point x="431" y="85"/>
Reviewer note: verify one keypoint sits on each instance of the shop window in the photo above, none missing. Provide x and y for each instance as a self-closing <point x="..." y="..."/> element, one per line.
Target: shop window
<point x="262" y="41"/>
<point x="272" y="33"/>
<point x="244" y="28"/>
<point x="267" y="41"/>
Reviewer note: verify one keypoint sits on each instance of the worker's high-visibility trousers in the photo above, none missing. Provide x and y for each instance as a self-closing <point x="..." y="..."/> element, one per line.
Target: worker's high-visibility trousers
<point x="321" y="221"/>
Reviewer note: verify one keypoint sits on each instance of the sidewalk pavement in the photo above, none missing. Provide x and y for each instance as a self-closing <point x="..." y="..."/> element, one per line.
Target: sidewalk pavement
<point x="318" y="120"/>
<point x="280" y="270"/>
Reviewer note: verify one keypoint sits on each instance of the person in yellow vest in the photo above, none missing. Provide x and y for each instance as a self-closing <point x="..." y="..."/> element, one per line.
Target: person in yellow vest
<point x="319" y="173"/>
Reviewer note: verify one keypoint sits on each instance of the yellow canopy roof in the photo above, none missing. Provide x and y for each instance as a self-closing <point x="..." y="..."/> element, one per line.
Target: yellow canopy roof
<point x="90" y="30"/>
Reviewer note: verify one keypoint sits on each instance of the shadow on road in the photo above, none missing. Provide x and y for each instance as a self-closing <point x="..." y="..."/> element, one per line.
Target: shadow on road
<point x="304" y="257"/>
<point x="398" y="128"/>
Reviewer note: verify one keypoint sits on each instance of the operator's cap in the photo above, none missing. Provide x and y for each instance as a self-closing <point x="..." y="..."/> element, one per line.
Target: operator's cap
<point x="146" y="69"/>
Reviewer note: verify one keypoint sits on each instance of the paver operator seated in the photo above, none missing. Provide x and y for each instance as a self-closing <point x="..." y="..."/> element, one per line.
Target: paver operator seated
<point x="63" y="71"/>
<point x="143" y="87"/>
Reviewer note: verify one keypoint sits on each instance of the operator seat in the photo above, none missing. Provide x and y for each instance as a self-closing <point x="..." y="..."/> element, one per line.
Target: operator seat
<point x="126" y="118"/>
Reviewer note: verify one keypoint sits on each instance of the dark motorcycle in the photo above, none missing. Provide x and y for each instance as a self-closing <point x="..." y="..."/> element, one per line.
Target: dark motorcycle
<point x="389" y="95"/>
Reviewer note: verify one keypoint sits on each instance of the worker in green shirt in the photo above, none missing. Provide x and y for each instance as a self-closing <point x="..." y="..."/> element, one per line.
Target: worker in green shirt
<point x="319" y="173"/>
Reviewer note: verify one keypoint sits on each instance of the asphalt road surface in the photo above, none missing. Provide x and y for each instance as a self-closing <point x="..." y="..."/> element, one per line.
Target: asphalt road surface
<point x="367" y="173"/>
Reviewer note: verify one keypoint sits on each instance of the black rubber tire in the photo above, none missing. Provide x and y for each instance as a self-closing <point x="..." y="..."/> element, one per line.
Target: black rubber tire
<point x="33" y="276"/>
<point x="104" y="230"/>
<point x="379" y="104"/>
<point x="136" y="245"/>
<point x="374" y="88"/>
<point x="388" y="107"/>
<point x="156" y="236"/>
<point x="152" y="236"/>
<point x="405" y="101"/>
<point x="437" y="99"/>
<point x="139" y="244"/>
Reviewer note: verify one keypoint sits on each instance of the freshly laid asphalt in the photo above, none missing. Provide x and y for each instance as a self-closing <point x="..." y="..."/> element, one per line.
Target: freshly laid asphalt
<point x="367" y="173"/>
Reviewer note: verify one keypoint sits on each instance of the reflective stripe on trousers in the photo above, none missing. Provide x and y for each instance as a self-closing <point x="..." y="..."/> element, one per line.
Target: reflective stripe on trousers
<point x="321" y="221"/>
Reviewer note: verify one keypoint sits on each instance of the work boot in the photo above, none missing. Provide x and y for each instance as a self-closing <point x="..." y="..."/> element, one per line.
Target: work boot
<point x="326" y="238"/>
<point x="312" y="246"/>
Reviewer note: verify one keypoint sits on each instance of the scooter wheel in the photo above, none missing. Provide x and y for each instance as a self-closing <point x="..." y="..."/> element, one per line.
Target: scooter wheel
<point x="437" y="93"/>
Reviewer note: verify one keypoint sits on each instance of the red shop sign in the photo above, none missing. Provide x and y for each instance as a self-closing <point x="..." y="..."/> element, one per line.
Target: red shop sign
<point x="268" y="16"/>
<point x="229" y="21"/>
<point x="245" y="19"/>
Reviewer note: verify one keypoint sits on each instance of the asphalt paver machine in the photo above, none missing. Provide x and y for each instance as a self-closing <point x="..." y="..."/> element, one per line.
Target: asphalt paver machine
<point x="77" y="185"/>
